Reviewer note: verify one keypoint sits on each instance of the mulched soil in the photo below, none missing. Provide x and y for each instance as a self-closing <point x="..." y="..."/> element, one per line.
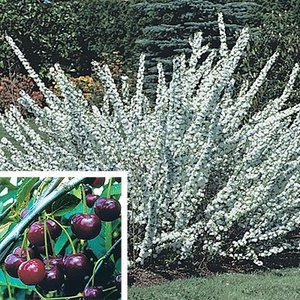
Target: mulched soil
<point x="159" y="274"/>
<point x="148" y="277"/>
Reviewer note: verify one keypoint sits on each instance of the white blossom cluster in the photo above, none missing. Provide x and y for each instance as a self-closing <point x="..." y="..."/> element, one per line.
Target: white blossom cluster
<point x="205" y="172"/>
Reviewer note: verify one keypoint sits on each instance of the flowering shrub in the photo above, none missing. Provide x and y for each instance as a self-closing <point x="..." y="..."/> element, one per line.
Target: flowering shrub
<point x="205" y="173"/>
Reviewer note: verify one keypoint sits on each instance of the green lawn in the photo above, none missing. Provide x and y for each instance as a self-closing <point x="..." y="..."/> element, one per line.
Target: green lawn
<point x="274" y="285"/>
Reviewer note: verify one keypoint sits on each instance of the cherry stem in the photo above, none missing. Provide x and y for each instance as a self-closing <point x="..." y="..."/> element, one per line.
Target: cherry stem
<point x="94" y="269"/>
<point x="110" y="289"/>
<point x="109" y="187"/>
<point x="66" y="233"/>
<point x="7" y="283"/>
<point x="58" y="298"/>
<point x="46" y="243"/>
<point x="108" y="296"/>
<point x="83" y="197"/>
<point x="51" y="240"/>
<point x="23" y="245"/>
<point x="106" y="257"/>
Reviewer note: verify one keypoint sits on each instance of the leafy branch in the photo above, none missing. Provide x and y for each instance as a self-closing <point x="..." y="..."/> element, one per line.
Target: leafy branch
<point x="45" y="200"/>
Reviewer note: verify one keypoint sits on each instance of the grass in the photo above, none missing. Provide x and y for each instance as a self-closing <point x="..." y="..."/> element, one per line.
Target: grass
<point x="273" y="285"/>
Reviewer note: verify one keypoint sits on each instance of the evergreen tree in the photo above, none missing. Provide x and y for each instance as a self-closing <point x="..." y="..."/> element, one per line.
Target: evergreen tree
<point x="167" y="25"/>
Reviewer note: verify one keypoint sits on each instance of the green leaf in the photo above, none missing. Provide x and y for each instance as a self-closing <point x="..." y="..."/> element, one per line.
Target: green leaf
<point x="108" y="236"/>
<point x="4" y="180"/>
<point x="4" y="229"/>
<point x="97" y="244"/>
<point x="118" y="265"/>
<point x="115" y="190"/>
<point x="77" y="210"/>
<point x="77" y="192"/>
<point x="14" y="282"/>
<point x="24" y="190"/>
<point x="60" y="243"/>
<point x="64" y="204"/>
<point x="10" y="195"/>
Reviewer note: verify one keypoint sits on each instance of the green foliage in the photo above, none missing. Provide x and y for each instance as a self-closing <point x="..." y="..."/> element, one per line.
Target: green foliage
<point x="46" y="35"/>
<point x="23" y="194"/>
<point x="280" y="23"/>
<point x="64" y="205"/>
<point x="164" y="27"/>
<point x="72" y="33"/>
<point x="103" y="27"/>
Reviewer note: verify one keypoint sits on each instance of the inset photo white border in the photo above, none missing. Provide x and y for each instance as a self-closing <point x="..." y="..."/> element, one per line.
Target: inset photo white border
<point x="123" y="201"/>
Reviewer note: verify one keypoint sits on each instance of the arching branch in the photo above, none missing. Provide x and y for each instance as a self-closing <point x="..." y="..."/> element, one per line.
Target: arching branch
<point x="36" y="209"/>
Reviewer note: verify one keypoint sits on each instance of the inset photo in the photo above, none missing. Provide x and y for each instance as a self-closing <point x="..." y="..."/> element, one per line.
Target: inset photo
<point x="60" y="236"/>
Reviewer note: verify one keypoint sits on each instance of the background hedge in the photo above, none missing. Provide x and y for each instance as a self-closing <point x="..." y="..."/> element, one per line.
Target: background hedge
<point x="74" y="32"/>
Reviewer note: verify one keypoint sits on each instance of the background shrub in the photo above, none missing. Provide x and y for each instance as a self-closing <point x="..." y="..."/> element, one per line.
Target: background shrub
<point x="74" y="33"/>
<point x="46" y="34"/>
<point x="280" y="23"/>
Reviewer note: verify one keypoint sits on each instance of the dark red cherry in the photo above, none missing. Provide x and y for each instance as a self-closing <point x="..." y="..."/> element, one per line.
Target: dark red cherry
<point x="118" y="179"/>
<point x="85" y="227"/>
<point x="118" y="282"/>
<point x="77" y="266"/>
<point x="107" y="209"/>
<point x="53" y="280"/>
<point x="32" y="271"/>
<point x="55" y="261"/>
<point x="95" y="182"/>
<point x="88" y="190"/>
<point x="54" y="229"/>
<point x="42" y="250"/>
<point x="24" y="212"/>
<point x="93" y="293"/>
<point x="36" y="232"/>
<point x="90" y="200"/>
<point x="12" y="263"/>
<point x="23" y="253"/>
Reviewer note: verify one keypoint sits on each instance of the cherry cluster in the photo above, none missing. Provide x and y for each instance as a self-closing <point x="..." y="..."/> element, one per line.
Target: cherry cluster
<point x="49" y="273"/>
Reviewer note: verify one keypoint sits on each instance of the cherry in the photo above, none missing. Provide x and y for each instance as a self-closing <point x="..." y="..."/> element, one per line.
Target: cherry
<point x="12" y="263"/>
<point x="90" y="200"/>
<point x="93" y="292"/>
<point x="118" y="282"/>
<point x="53" y="280"/>
<point x="77" y="266"/>
<point x="107" y="209"/>
<point x="36" y="232"/>
<point x="95" y="182"/>
<point x="55" y="261"/>
<point x="42" y="250"/>
<point x="88" y="190"/>
<point x="85" y="227"/>
<point x="23" y="253"/>
<point x="118" y="179"/>
<point x="32" y="271"/>
<point x="24" y="212"/>
<point x="54" y="229"/>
